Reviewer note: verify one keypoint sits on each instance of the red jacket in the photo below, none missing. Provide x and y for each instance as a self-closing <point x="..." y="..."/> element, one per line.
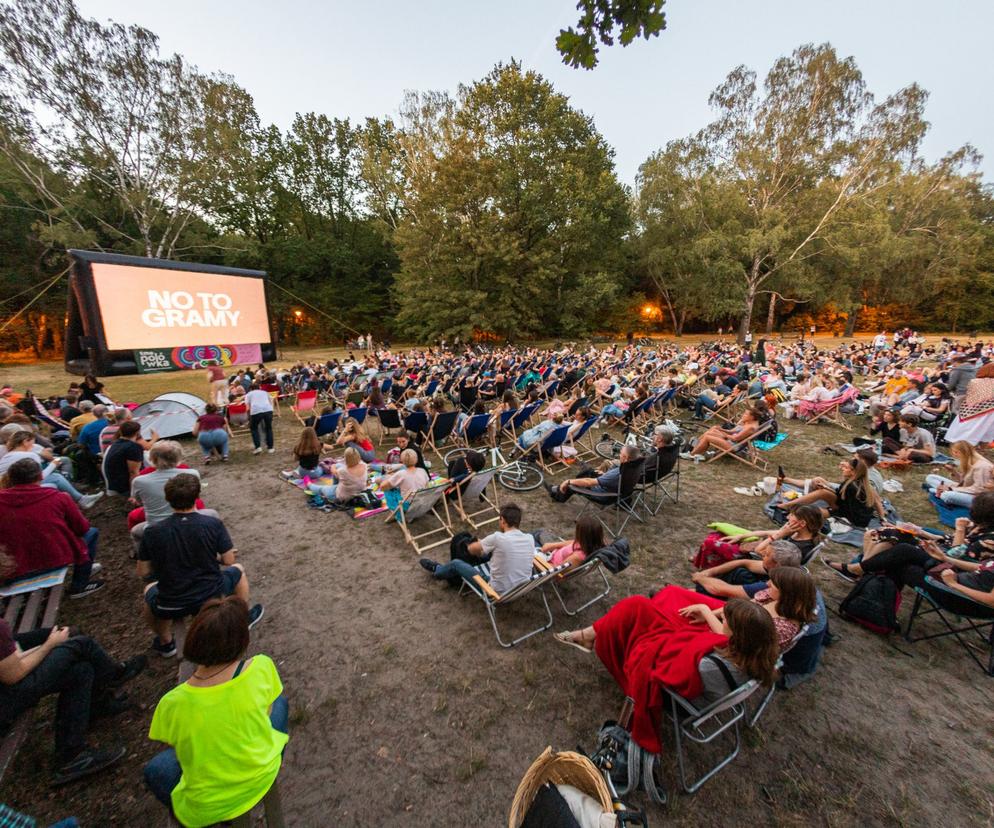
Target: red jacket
<point x="41" y="528"/>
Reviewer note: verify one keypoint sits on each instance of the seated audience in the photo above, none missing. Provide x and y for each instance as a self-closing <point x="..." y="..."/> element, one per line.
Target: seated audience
<point x="723" y="439"/>
<point x="150" y="489"/>
<point x="588" y="537"/>
<point x="184" y="555"/>
<point x="124" y="459"/>
<point x="354" y="436"/>
<point x="802" y="528"/>
<point x="21" y="446"/>
<point x="307" y="454"/>
<point x="226" y="726"/>
<point x="744" y="577"/>
<point x="350" y="479"/>
<point x="854" y="499"/>
<point x="918" y="444"/>
<point x="398" y="485"/>
<point x="971" y="475"/>
<point x="605" y="483"/>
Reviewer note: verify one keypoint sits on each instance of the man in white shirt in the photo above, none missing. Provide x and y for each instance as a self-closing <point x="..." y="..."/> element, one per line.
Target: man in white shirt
<point x="260" y="406"/>
<point x="510" y="551"/>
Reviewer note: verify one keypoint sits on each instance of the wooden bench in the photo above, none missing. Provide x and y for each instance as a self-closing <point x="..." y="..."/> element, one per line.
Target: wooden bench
<point x="24" y="613"/>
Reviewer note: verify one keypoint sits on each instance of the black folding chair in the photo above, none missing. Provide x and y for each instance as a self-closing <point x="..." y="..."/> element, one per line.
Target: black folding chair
<point x="625" y="501"/>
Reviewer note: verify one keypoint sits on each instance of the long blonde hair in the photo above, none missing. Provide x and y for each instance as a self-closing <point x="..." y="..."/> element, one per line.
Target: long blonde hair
<point x="966" y="453"/>
<point x="357" y="429"/>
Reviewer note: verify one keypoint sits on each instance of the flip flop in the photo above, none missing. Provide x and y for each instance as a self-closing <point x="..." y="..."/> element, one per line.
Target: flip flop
<point x="564" y="638"/>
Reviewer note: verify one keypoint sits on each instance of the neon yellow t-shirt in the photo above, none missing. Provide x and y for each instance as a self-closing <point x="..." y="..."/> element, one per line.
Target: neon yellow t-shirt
<point x="227" y="747"/>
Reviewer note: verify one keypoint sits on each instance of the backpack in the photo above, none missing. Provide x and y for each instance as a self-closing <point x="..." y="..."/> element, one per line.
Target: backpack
<point x="632" y="768"/>
<point x="873" y="603"/>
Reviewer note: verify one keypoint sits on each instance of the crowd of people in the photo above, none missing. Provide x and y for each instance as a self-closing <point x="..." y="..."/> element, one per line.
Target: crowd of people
<point x="750" y="608"/>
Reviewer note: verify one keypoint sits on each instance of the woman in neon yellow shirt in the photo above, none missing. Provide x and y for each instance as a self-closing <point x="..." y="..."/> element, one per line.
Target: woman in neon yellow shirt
<point x="226" y="725"/>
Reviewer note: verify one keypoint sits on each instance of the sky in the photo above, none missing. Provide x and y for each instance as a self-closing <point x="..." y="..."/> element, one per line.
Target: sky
<point x="356" y="59"/>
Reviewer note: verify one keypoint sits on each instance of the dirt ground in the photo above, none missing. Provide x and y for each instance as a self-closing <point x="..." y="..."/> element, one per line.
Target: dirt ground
<point x="404" y="711"/>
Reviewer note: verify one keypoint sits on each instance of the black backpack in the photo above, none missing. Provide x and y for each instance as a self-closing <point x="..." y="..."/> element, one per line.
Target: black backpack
<point x="873" y="603"/>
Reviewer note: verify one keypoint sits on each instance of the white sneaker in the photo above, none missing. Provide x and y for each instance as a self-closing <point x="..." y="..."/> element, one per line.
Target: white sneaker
<point x="96" y="568"/>
<point x="270" y="451"/>
<point x="257" y="451"/>
<point x="86" y="501"/>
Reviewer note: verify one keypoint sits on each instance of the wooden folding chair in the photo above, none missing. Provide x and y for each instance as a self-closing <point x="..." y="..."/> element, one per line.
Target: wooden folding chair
<point x="440" y="432"/>
<point x="474" y="491"/>
<point x="830" y="411"/>
<point x="745" y="451"/>
<point x="422" y="504"/>
<point x="305" y="405"/>
<point x="274" y="394"/>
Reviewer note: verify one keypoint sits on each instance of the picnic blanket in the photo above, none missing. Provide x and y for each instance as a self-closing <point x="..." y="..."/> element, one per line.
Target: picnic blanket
<point x="948" y="514"/>
<point x="45" y="580"/>
<point x="768" y="445"/>
<point x="939" y="459"/>
<point x="373" y="481"/>
<point x="839" y="531"/>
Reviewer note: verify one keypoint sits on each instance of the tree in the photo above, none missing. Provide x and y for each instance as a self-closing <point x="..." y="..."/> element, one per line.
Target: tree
<point x="513" y="218"/>
<point x="793" y="159"/>
<point x="99" y="101"/>
<point x="598" y="21"/>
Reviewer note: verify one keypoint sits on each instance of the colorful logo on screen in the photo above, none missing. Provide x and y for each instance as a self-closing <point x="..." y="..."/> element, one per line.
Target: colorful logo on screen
<point x="200" y="356"/>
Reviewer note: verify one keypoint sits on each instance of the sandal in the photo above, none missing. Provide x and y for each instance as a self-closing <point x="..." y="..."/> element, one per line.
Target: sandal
<point x="842" y="570"/>
<point x="566" y="638"/>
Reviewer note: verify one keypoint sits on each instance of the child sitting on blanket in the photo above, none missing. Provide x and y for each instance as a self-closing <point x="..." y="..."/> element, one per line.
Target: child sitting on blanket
<point x="350" y="479"/>
<point x="307" y="453"/>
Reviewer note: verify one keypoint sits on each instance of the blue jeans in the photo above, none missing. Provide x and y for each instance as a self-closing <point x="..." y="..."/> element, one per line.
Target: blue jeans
<point x="327" y="492"/>
<point x="56" y="481"/>
<point x="216" y="438"/>
<point x="367" y="455"/>
<point x="81" y="572"/>
<point x="163" y="772"/>
<point x="458" y="569"/>
<point x="611" y="410"/>
<point x="702" y="403"/>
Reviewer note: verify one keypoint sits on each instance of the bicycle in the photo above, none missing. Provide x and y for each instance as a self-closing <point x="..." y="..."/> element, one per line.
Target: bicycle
<point x="516" y="475"/>
<point x="610" y="448"/>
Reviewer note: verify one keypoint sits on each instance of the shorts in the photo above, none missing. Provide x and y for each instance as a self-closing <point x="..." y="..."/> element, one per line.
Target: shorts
<point x="230" y="576"/>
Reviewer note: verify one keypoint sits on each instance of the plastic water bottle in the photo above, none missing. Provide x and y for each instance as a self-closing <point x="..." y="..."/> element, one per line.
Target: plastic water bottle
<point x="880" y="447"/>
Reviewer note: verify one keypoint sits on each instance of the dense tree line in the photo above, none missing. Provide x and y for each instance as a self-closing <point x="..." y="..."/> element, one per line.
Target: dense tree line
<point x="494" y="211"/>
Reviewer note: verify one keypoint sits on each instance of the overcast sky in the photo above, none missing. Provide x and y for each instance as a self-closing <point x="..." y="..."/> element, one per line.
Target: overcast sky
<point x="355" y="59"/>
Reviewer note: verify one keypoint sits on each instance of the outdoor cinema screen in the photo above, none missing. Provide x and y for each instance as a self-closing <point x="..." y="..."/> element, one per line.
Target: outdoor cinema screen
<point x="151" y="307"/>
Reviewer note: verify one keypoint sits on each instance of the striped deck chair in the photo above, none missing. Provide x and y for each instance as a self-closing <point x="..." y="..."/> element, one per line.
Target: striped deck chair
<point x="305" y="405"/>
<point x="423" y="505"/>
<point x="473" y="492"/>
<point x="47" y="418"/>
<point x="745" y="451"/>
<point x="591" y="566"/>
<point x="829" y="411"/>
<point x="480" y="586"/>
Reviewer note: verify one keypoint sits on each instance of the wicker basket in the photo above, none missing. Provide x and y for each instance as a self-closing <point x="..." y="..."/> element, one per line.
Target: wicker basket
<point x="565" y="768"/>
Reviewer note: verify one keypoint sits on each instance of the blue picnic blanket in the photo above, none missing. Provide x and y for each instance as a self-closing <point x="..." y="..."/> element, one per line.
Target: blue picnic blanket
<point x="767" y="445"/>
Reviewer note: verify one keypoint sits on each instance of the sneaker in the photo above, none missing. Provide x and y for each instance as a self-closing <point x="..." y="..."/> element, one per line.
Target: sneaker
<point x="686" y="455"/>
<point x="270" y="451"/>
<point x="429" y="565"/>
<point x="129" y="669"/>
<point x="167" y="650"/>
<point x="88" y="589"/>
<point x="86" y="501"/>
<point x="257" y="451"/>
<point x="87" y="761"/>
<point x="97" y="567"/>
<point x="255" y="615"/>
<point x="287" y="475"/>
<point x="224" y="459"/>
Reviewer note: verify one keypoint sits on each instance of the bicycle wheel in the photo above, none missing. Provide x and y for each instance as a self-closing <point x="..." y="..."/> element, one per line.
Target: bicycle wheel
<point x="520" y="478"/>
<point x="452" y="455"/>
<point x="608" y="449"/>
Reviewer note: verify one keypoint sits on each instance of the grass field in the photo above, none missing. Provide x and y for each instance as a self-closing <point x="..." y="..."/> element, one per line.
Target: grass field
<point x="405" y="712"/>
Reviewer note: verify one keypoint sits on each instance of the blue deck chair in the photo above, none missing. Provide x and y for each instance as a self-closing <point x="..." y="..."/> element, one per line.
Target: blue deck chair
<point x="442" y="427"/>
<point x="521" y="418"/>
<point x="358" y="414"/>
<point x="582" y="450"/>
<point x="476" y="427"/>
<point x="327" y="423"/>
<point x="556" y="438"/>
<point x="416" y="422"/>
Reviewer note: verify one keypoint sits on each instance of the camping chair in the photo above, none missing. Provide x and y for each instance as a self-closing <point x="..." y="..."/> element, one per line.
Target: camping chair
<point x="753" y="718"/>
<point x="305" y="405"/>
<point x="443" y="425"/>
<point x="274" y="394"/>
<point x="480" y="587"/>
<point x="421" y="504"/>
<point x="829" y="411"/>
<point x="473" y="491"/>
<point x="327" y="423"/>
<point x="704" y="726"/>
<point x="389" y="420"/>
<point x="590" y="566"/>
<point x="983" y="614"/>
<point x="626" y="500"/>
<point x="812" y="556"/>
<point x="744" y="451"/>
<point x="653" y="485"/>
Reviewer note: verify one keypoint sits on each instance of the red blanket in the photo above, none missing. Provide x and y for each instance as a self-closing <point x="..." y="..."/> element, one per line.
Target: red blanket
<point x="646" y="644"/>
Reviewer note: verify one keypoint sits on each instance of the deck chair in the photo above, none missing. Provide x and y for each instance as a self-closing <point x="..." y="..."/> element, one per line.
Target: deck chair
<point x="440" y="432"/>
<point x="474" y="492"/>
<point x="503" y="426"/>
<point x="423" y="504"/>
<point x="476" y="427"/>
<point x="655" y="483"/>
<point x="585" y="449"/>
<point x="520" y="420"/>
<point x="46" y="418"/>
<point x="625" y="502"/>
<point x="305" y="405"/>
<point x="726" y="405"/>
<point x="327" y="423"/>
<point x="829" y="411"/>
<point x="555" y="439"/>
<point x="389" y="422"/>
<point x="416" y="422"/>
<point x="590" y="567"/>
<point x="480" y="587"/>
<point x="703" y="726"/>
<point x="357" y="414"/>
<point x="744" y="451"/>
<point x="976" y="622"/>
<point x="753" y="718"/>
<point x="237" y="408"/>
